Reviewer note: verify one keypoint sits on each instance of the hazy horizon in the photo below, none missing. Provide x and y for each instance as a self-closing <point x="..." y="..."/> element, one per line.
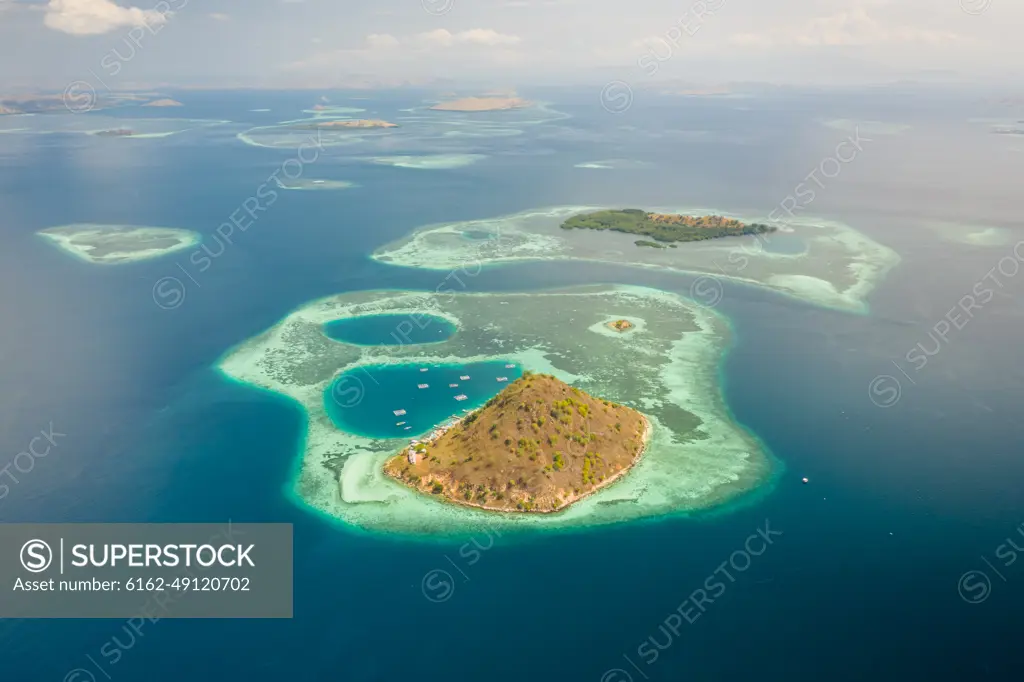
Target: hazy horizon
<point x="320" y="43"/>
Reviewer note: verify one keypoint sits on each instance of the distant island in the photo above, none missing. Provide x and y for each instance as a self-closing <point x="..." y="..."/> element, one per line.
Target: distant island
<point x="482" y="104"/>
<point x="620" y="325"/>
<point x="30" y="103"/>
<point x="115" y="244"/>
<point x="662" y="227"/>
<point x="538" y="446"/>
<point x="358" y="123"/>
<point x="163" y="103"/>
<point x="1008" y="130"/>
<point x="115" y="132"/>
<point x="79" y="96"/>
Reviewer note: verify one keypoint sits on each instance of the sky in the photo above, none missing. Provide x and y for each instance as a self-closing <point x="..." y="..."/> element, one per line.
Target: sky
<point x="47" y="44"/>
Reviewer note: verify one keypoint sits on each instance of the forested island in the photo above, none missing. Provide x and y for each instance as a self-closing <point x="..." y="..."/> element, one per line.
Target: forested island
<point x="663" y="227"/>
<point x="538" y="446"/>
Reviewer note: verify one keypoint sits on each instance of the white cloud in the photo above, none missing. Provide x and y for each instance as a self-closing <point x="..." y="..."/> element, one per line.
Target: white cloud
<point x="381" y="41"/>
<point x="477" y="36"/>
<point x="410" y="55"/>
<point x="486" y="36"/>
<point x="437" y="38"/>
<point x="88" y="17"/>
<point x="853" y="27"/>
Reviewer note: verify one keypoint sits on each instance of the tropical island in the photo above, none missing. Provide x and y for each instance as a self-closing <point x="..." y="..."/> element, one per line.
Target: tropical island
<point x="830" y="263"/>
<point x="697" y="455"/>
<point x="165" y="102"/>
<point x="620" y="325"/>
<point x="538" y="446"/>
<point x="482" y="104"/>
<point x="358" y="123"/>
<point x="115" y="244"/>
<point x="664" y="227"/>
<point x="78" y="96"/>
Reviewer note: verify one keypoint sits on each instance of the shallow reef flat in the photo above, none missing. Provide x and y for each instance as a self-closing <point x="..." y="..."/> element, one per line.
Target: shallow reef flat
<point x="867" y="127"/>
<point x="311" y="184"/>
<point x="419" y="129"/>
<point x="429" y="161"/>
<point x="698" y="456"/>
<point x="972" y="235"/>
<point x="820" y="261"/>
<point x="292" y="134"/>
<point x="114" y="244"/>
<point x="330" y="110"/>
<point x="98" y="124"/>
<point x="614" y="164"/>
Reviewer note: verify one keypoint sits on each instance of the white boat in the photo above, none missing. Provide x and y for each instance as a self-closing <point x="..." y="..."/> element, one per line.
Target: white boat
<point x="423" y="369"/>
<point x="400" y="424"/>
<point x="502" y="379"/>
<point x="509" y="366"/>
<point x="423" y="385"/>
<point x="465" y="377"/>
<point x="461" y="397"/>
<point x="407" y="428"/>
<point x="399" y="413"/>
<point x="453" y="385"/>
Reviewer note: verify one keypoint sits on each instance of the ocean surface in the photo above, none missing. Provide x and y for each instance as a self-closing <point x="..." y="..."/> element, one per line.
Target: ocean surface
<point x="915" y="471"/>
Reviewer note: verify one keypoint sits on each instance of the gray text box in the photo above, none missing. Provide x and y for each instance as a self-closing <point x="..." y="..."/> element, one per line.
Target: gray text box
<point x="154" y="570"/>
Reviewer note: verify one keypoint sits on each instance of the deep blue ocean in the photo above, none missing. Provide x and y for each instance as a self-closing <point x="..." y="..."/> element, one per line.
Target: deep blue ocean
<point x="863" y="577"/>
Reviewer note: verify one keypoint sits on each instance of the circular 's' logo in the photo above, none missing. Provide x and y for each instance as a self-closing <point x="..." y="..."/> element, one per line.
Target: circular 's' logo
<point x="168" y="293"/>
<point x="79" y="675"/>
<point x="36" y="556"/>
<point x="616" y="97"/>
<point x="975" y="7"/>
<point x="707" y="290"/>
<point x="974" y="587"/>
<point x="885" y="390"/>
<point x="616" y="675"/>
<point x="79" y="97"/>
<point x="437" y="7"/>
<point x="438" y="586"/>
<point x="348" y="390"/>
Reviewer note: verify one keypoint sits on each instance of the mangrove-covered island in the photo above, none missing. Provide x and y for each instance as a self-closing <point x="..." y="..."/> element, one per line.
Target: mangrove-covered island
<point x="663" y="227"/>
<point x="538" y="446"/>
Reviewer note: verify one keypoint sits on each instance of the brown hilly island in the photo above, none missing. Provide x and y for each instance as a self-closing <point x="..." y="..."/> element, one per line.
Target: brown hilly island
<point x="538" y="446"/>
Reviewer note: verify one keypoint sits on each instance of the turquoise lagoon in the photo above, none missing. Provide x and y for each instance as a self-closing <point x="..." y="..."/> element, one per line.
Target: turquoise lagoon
<point x="363" y="401"/>
<point x="387" y="330"/>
